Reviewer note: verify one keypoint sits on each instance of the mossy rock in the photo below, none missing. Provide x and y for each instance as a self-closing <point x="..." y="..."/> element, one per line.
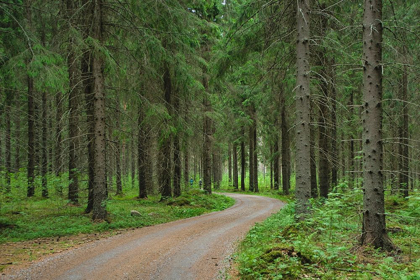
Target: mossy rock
<point x="290" y="230"/>
<point x="180" y="201"/>
<point x="281" y="252"/>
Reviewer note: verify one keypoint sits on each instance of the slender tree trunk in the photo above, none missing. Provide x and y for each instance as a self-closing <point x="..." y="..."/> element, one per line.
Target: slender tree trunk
<point x="133" y="161"/>
<point x="229" y="164"/>
<point x="176" y="147"/>
<point x="403" y="143"/>
<point x="285" y="145"/>
<point x="99" y="183"/>
<point x="235" y="166"/>
<point x="352" y="166"/>
<point x="207" y="143"/>
<point x="44" y="160"/>
<point x="334" y="149"/>
<point x="303" y="164"/>
<point x="251" y="159"/>
<point x="186" y="165"/>
<point x="177" y="167"/>
<point x="255" y="153"/>
<point x="165" y="149"/>
<point x="88" y="88"/>
<point x="118" y="167"/>
<point x="323" y="140"/>
<point x="8" y="111"/>
<point x="276" y="169"/>
<point x="314" y="183"/>
<point x="31" y="138"/>
<point x="74" y="78"/>
<point x="374" y="226"/>
<point x="243" y="161"/>
<point x="141" y="153"/>
<point x="31" y="117"/>
<point x="58" y="138"/>
<point x="17" y="136"/>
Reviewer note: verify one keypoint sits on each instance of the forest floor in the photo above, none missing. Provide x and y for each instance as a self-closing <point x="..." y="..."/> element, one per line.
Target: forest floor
<point x="194" y="248"/>
<point x="36" y="227"/>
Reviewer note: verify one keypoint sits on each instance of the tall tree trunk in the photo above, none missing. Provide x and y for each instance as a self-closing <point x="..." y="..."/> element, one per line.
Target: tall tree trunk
<point x="133" y="161"/>
<point x="17" y="136"/>
<point x="50" y="137"/>
<point x="403" y="143"/>
<point x="31" y="138"/>
<point x="243" y="160"/>
<point x="31" y="116"/>
<point x="335" y="160"/>
<point x="255" y="153"/>
<point x="176" y="146"/>
<point x="99" y="183"/>
<point x="58" y="137"/>
<point x="285" y="146"/>
<point x="303" y="164"/>
<point x="177" y="166"/>
<point x="88" y="88"/>
<point x="165" y="149"/>
<point x="314" y="183"/>
<point x="323" y="138"/>
<point x="235" y="166"/>
<point x="374" y="226"/>
<point x="186" y="165"/>
<point x="44" y="161"/>
<point x="229" y="164"/>
<point x="8" y="111"/>
<point x="276" y="160"/>
<point x="207" y="143"/>
<point x="118" y="167"/>
<point x="251" y="159"/>
<point x="74" y="79"/>
<point x="141" y="153"/>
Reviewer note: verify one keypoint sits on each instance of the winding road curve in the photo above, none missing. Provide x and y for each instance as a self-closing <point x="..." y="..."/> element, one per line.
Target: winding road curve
<point x="194" y="248"/>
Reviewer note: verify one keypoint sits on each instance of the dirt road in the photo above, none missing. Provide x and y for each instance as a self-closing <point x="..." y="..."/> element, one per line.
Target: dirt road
<point x="194" y="248"/>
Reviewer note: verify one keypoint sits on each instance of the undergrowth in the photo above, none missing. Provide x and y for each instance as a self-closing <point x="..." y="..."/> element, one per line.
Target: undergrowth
<point x="325" y="246"/>
<point x="23" y="218"/>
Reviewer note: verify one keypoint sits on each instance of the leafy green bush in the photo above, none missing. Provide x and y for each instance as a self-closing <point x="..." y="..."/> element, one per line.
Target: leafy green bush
<point x="325" y="245"/>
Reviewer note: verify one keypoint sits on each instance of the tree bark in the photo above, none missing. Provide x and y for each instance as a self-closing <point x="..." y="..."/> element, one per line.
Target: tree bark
<point x="303" y="165"/>
<point x="235" y="166"/>
<point x="99" y="183"/>
<point x="44" y="160"/>
<point x="207" y="143"/>
<point x="8" y="152"/>
<point x="276" y="169"/>
<point x="176" y="146"/>
<point x="165" y="148"/>
<point x="254" y="128"/>
<point x="17" y="136"/>
<point x="74" y="79"/>
<point x="141" y="153"/>
<point x="403" y="143"/>
<point x="323" y="137"/>
<point x="31" y="117"/>
<point x="285" y="146"/>
<point x="334" y="149"/>
<point x="251" y="159"/>
<point x="229" y="164"/>
<point x="88" y="88"/>
<point x="374" y="225"/>
<point x="58" y="137"/>
<point x="243" y="159"/>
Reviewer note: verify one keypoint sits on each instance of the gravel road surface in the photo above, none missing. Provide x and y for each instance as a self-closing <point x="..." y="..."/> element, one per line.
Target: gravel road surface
<point x="194" y="248"/>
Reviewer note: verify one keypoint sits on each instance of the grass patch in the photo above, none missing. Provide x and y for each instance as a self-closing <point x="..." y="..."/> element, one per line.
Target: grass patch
<point x="325" y="246"/>
<point x="30" y="218"/>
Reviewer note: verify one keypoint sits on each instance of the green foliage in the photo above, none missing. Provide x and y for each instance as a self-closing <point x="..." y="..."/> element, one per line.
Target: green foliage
<point x="325" y="246"/>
